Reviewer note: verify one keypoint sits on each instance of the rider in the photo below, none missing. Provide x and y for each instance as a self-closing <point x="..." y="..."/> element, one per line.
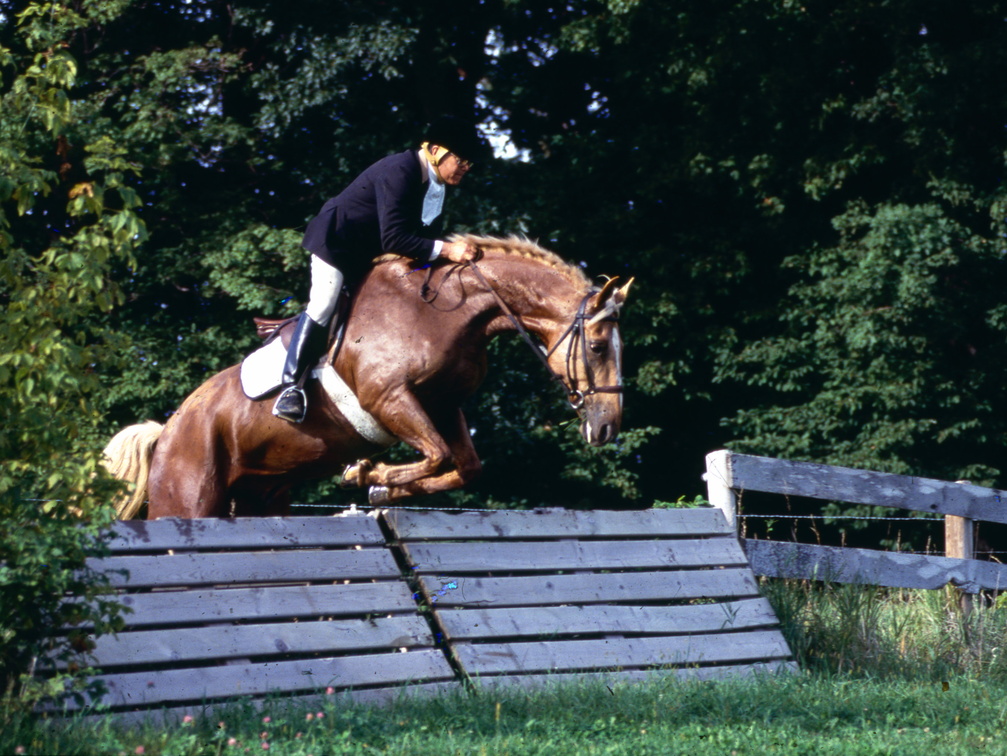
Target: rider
<point x="390" y="207"/>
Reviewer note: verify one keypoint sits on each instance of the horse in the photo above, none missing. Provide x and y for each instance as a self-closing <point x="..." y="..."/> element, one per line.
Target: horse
<point x="413" y="349"/>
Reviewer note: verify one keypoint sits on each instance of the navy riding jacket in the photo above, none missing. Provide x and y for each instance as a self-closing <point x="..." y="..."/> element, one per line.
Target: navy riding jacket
<point x="378" y="212"/>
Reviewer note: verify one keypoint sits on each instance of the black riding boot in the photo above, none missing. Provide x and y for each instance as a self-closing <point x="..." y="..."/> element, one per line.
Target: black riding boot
<point x="306" y="345"/>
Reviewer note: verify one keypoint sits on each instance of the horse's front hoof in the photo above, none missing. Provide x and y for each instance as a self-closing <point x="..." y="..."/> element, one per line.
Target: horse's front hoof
<point x="378" y="495"/>
<point x="354" y="475"/>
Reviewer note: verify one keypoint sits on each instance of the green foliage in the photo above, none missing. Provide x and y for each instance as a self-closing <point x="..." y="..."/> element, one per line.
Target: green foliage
<point x="257" y="268"/>
<point x="886" y="355"/>
<point x="824" y="153"/>
<point x="606" y="467"/>
<point x="682" y="503"/>
<point x="53" y="492"/>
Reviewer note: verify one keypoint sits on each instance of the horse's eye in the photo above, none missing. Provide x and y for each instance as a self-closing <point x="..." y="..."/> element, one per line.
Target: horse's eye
<point x="599" y="347"/>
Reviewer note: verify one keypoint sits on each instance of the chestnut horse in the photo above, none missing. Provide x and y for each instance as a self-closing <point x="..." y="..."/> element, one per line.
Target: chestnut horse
<point x="414" y="349"/>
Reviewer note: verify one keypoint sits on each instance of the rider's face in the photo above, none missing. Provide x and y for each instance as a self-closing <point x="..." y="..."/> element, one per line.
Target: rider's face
<point x="451" y="169"/>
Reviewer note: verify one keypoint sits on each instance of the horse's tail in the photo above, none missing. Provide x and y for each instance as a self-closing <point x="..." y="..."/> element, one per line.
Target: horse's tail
<point x="127" y="457"/>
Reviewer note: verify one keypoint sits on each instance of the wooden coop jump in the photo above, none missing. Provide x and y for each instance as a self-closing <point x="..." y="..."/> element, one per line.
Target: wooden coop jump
<point x="377" y="605"/>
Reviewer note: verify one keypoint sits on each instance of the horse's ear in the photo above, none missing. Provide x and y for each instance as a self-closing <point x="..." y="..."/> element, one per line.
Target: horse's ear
<point x="601" y="298"/>
<point x="620" y="295"/>
<point x="606" y="303"/>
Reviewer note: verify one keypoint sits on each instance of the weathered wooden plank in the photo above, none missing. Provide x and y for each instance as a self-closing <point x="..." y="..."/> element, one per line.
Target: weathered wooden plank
<point x="568" y="655"/>
<point x="554" y="523"/>
<point x="181" y="645"/>
<point x="468" y="624"/>
<point x="278" y="707"/>
<point x="515" y="556"/>
<point x="865" y="487"/>
<point x="265" y="603"/>
<point x="848" y="565"/>
<point x="206" y="683"/>
<point x="617" y="678"/>
<point x="247" y="567"/>
<point x="245" y="532"/>
<point x="589" y="589"/>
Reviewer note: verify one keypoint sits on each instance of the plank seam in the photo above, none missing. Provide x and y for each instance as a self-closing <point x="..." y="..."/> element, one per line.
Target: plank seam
<point x="424" y="606"/>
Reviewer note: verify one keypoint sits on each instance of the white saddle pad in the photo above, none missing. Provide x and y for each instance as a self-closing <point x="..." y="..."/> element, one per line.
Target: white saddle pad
<point x="262" y="373"/>
<point x="262" y="370"/>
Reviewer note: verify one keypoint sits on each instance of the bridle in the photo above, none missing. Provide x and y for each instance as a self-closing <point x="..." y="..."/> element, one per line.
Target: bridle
<point x="576" y="333"/>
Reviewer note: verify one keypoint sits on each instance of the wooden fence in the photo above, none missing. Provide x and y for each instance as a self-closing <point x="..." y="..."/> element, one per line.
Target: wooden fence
<point x="365" y="604"/>
<point x="728" y="475"/>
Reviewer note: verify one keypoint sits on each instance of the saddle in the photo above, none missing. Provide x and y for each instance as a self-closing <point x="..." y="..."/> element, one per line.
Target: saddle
<point x="272" y="328"/>
<point x="261" y="370"/>
<point x="267" y="328"/>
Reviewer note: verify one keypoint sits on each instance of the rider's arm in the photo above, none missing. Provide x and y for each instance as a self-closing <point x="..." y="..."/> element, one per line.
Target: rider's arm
<point x="392" y="192"/>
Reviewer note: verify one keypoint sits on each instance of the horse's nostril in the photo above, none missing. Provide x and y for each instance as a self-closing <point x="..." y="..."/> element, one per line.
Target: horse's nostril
<point x="597" y="435"/>
<point x="606" y="433"/>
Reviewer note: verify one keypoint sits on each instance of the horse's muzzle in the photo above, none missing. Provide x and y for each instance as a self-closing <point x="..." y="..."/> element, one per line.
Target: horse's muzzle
<point x="599" y="434"/>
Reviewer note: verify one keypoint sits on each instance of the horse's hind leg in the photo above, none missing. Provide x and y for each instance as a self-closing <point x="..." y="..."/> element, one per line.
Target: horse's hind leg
<point x="188" y="491"/>
<point x="187" y="479"/>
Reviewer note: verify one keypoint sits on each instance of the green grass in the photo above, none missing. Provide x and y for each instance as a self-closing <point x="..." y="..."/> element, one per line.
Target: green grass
<point x="884" y="672"/>
<point x="796" y="715"/>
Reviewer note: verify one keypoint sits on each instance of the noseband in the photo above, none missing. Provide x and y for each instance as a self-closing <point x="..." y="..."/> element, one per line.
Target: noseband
<point x="576" y="332"/>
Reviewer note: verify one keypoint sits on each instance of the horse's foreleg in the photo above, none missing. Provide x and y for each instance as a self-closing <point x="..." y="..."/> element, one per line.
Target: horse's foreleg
<point x="449" y="481"/>
<point x="464" y="462"/>
<point x="421" y="433"/>
<point x="382" y="474"/>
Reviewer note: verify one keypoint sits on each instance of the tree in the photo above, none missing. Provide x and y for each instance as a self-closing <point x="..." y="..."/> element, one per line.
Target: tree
<point x="811" y="199"/>
<point x="892" y="337"/>
<point x="62" y="228"/>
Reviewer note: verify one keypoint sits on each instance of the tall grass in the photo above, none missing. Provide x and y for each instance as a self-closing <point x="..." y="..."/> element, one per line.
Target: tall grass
<point x="890" y="632"/>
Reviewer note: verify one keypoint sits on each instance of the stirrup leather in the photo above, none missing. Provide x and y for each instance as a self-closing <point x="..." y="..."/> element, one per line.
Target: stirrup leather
<point x="291" y="405"/>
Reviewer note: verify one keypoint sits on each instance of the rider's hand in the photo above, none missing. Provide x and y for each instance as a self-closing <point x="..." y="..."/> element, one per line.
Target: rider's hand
<point x="458" y="251"/>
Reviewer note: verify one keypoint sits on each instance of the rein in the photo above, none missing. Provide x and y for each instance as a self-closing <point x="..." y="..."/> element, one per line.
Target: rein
<point x="577" y="334"/>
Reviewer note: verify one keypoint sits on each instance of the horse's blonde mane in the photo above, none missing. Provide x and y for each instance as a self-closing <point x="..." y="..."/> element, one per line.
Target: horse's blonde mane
<point x="518" y="246"/>
<point x="523" y="247"/>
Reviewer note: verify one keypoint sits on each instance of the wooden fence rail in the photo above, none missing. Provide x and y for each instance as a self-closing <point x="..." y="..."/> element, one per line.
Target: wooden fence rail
<point x="728" y="475"/>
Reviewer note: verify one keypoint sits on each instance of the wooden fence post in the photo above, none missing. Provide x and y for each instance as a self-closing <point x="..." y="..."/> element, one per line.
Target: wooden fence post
<point x="959" y="537"/>
<point x="719" y="485"/>
<point x="959" y="543"/>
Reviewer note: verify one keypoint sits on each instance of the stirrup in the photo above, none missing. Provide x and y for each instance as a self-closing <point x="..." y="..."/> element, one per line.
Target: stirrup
<point x="291" y="405"/>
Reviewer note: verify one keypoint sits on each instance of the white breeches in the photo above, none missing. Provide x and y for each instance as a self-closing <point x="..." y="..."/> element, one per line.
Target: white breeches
<point x="326" y="283"/>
